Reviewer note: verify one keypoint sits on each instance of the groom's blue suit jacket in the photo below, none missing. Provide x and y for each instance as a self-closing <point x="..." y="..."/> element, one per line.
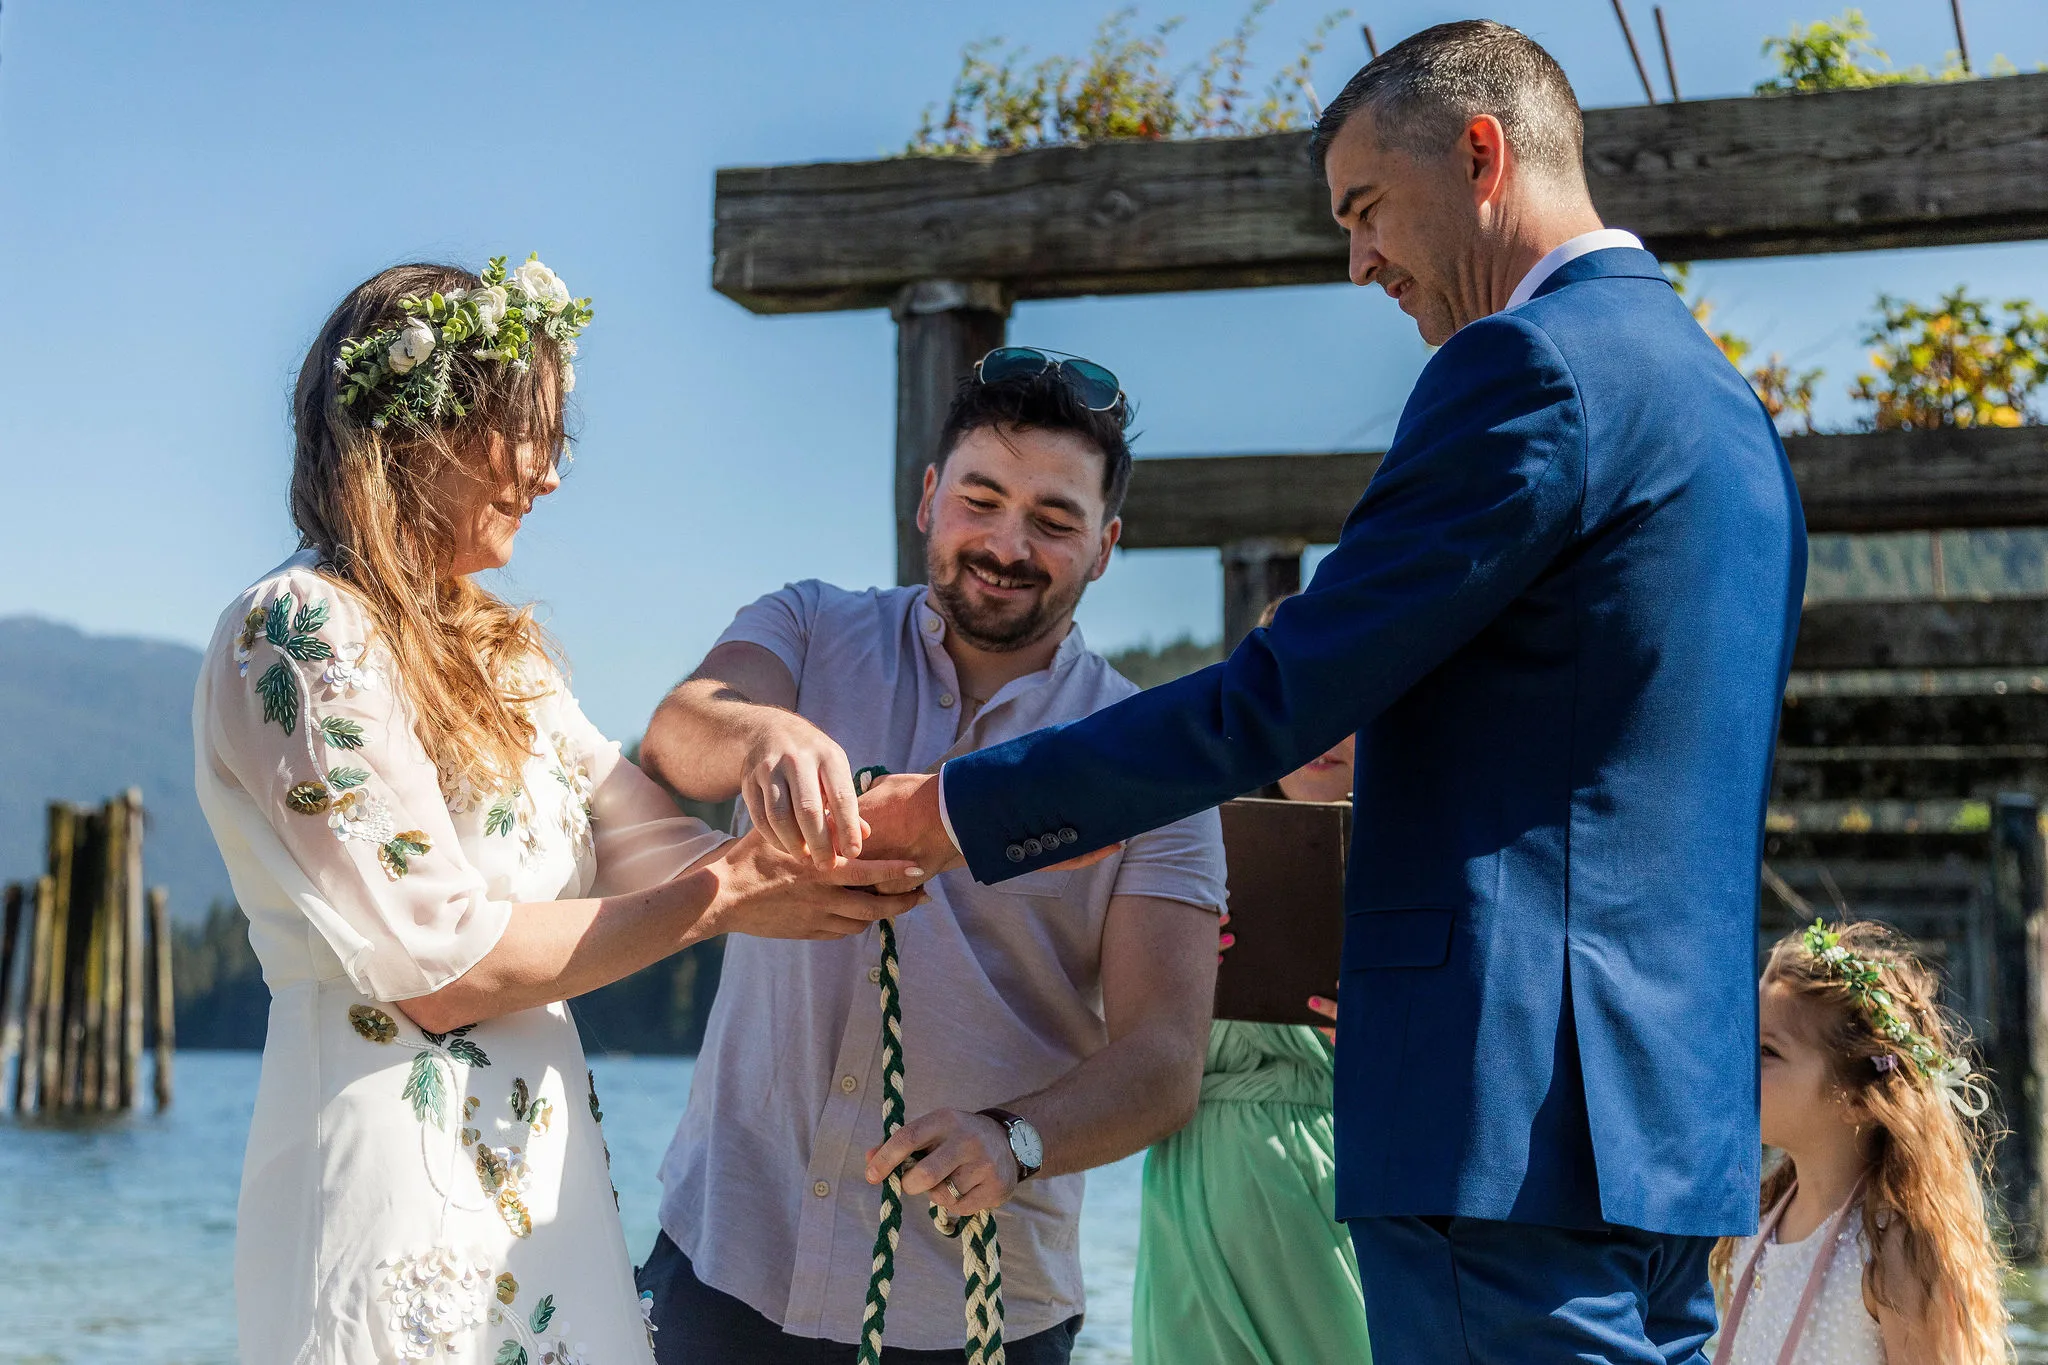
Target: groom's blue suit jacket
<point x="1560" y="622"/>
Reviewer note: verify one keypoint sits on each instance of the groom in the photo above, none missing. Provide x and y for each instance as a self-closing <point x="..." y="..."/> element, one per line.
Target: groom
<point x="1560" y="621"/>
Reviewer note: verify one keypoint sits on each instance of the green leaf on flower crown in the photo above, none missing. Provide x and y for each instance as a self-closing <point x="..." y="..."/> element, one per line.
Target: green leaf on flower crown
<point x="543" y="1314"/>
<point x="510" y="1353"/>
<point x="500" y="818"/>
<point x="311" y="617"/>
<point x="462" y="1049"/>
<point x="279" y="624"/>
<point x="424" y="1088"/>
<point x="305" y="648"/>
<point x="341" y="732"/>
<point x="280" y="693"/>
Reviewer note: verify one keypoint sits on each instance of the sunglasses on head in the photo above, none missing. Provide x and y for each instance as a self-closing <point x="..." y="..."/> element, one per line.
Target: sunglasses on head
<point x="1096" y="387"/>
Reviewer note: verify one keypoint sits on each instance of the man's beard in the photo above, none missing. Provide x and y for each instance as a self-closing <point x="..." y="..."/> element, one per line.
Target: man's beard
<point x="999" y="629"/>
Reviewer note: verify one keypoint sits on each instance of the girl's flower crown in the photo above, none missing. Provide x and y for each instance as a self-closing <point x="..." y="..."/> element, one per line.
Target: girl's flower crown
<point x="408" y="365"/>
<point x="1951" y="1075"/>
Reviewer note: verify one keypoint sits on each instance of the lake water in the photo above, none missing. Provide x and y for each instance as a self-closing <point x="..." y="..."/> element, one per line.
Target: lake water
<point x="117" y="1236"/>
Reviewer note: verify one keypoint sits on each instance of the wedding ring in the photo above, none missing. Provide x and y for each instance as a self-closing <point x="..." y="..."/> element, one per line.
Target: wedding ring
<point x="954" y="1190"/>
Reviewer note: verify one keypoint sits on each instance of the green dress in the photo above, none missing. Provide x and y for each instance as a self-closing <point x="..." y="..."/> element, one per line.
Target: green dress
<point x="1240" y="1258"/>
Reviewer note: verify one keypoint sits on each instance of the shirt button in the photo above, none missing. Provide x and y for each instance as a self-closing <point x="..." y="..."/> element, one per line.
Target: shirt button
<point x="1032" y="848"/>
<point x="874" y="975"/>
<point x="823" y="1189"/>
<point x="848" y="1084"/>
<point x="1069" y="835"/>
<point x="946" y="699"/>
<point x="931" y="625"/>
<point x="1015" y="853"/>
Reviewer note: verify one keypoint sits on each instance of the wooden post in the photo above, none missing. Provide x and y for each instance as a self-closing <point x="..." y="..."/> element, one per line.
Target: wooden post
<point x="10" y="939"/>
<point x="166" y="1005"/>
<point x="88" y="962"/>
<point x="51" y="1092"/>
<point x="942" y="328"/>
<point x="132" y="959"/>
<point x="35" y="1006"/>
<point x="113" y="920"/>
<point x="2016" y="1052"/>
<point x="1255" y="572"/>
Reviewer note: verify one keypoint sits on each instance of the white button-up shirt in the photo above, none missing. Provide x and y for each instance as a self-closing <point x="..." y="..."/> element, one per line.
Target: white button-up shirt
<point x="1601" y="239"/>
<point x="763" y="1186"/>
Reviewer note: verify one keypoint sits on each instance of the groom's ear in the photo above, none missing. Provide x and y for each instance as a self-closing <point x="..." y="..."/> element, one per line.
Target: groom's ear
<point x="1111" y="534"/>
<point x="924" y="500"/>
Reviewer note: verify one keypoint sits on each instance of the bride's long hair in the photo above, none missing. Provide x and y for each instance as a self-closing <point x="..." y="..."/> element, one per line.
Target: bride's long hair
<point x="366" y="498"/>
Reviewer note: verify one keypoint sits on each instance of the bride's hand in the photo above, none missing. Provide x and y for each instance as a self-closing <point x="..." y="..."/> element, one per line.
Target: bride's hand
<point x="798" y="789"/>
<point x="770" y="893"/>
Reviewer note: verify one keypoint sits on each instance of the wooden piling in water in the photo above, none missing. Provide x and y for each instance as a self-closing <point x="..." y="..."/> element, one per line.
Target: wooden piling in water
<point x="10" y="941"/>
<point x="166" y="1012"/>
<point x="132" y="912"/>
<point x="35" y="1003"/>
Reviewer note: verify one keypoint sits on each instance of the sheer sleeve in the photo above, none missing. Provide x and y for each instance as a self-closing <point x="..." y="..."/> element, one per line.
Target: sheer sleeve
<point x="307" y="715"/>
<point x="641" y="838"/>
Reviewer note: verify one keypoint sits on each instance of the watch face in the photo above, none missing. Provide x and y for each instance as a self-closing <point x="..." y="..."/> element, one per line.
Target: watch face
<point x="1025" y="1145"/>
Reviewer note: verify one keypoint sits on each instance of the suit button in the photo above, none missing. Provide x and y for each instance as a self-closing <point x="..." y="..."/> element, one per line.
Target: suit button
<point x="1068" y="836"/>
<point x="1033" y="848"/>
<point x="1049" y="841"/>
<point x="1015" y="853"/>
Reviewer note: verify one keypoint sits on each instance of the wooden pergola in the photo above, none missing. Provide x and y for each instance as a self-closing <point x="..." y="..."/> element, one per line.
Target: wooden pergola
<point x="950" y="244"/>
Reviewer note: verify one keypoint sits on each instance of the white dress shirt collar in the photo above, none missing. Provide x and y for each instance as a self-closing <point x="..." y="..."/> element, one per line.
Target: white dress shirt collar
<point x="1599" y="240"/>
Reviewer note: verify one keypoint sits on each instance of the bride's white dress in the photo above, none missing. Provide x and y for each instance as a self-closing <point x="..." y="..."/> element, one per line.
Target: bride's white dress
<point x="407" y="1195"/>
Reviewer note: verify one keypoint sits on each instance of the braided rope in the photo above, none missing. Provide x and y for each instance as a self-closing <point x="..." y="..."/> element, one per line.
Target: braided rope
<point x="981" y="1260"/>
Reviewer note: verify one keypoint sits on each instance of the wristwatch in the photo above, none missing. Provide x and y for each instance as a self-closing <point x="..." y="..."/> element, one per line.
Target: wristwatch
<point x="1025" y="1144"/>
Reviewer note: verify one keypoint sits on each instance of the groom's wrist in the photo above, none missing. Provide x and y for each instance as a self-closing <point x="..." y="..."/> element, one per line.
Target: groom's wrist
<point x="945" y="816"/>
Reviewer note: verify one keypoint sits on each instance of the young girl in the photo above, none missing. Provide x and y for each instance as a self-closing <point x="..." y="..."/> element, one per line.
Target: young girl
<point x="1874" y="1245"/>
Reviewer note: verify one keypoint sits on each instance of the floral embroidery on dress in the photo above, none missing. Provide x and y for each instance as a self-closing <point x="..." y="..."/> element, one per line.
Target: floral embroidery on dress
<point x="350" y="671"/>
<point x="527" y="1344"/>
<point x="503" y="815"/>
<point x="397" y="852"/>
<point x="433" y="1072"/>
<point x="437" y="1297"/>
<point x="502" y="1171"/>
<point x="373" y="1024"/>
<point x="245" y="643"/>
<point x="289" y="629"/>
<point x="575" y="777"/>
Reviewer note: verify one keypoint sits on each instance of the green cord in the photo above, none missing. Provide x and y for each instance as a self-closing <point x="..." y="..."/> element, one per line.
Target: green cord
<point x="981" y="1260"/>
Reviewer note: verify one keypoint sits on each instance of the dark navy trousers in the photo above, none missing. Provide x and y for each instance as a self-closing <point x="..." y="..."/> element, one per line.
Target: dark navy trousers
<point x="1470" y="1291"/>
<point x="698" y="1325"/>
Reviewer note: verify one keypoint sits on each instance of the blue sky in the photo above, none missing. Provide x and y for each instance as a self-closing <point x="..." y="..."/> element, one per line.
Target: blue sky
<point x="186" y="190"/>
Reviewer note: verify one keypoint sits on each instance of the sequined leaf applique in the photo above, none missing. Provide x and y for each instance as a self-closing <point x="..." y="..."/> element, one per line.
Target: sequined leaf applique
<point x="462" y="1048"/>
<point x="342" y="779"/>
<point x="290" y="633"/>
<point x="491" y="1171"/>
<point x="521" y="1097"/>
<point x="373" y="1024"/>
<point x="397" y="852"/>
<point x="501" y="819"/>
<point x="543" y="1314"/>
<point x="511" y="1353"/>
<point x="308" y="798"/>
<point x="426" y="1090"/>
<point x="280" y="695"/>
<point x="341" y="732"/>
<point x="311" y="617"/>
<point x="508" y="1289"/>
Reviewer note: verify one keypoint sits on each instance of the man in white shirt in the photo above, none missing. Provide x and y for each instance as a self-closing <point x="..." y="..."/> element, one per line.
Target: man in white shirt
<point x="1052" y="1024"/>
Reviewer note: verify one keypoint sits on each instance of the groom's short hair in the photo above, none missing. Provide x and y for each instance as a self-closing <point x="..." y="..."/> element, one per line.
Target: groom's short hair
<point x="1426" y="89"/>
<point x="1043" y="402"/>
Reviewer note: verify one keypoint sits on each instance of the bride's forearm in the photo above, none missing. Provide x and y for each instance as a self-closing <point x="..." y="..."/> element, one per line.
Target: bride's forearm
<point x="555" y="950"/>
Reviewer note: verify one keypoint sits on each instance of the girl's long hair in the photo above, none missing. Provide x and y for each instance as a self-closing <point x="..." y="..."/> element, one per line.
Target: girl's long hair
<point x="371" y="502"/>
<point x="1924" y="1193"/>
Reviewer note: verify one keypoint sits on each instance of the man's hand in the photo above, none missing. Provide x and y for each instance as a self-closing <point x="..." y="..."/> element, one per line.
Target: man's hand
<point x="967" y="1164"/>
<point x="768" y="893"/>
<point x="902" y="811"/>
<point x="799" y="788"/>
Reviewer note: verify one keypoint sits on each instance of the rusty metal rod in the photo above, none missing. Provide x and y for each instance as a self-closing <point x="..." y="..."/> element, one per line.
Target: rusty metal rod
<point x="1635" y="53"/>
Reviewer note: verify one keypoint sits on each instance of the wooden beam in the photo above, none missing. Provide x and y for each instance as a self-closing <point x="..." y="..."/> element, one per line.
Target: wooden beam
<point x="2002" y="632"/>
<point x="942" y="328"/>
<point x="1853" y="170"/>
<point x="1856" y="482"/>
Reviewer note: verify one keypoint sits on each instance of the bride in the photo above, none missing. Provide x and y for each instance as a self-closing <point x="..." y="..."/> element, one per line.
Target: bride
<point x="434" y="849"/>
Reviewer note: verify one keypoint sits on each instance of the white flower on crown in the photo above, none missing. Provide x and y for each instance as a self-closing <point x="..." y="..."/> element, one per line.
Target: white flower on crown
<point x="542" y="285"/>
<point x="415" y="343"/>
<point x="455" y="295"/>
<point x="490" y="302"/>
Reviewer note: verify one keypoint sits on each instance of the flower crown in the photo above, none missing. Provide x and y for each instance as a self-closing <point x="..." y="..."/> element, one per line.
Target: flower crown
<point x="1951" y="1075"/>
<point x="408" y="365"/>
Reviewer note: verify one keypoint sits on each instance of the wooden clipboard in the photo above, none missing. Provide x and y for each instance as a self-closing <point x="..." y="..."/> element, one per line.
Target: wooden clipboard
<point x="1286" y="880"/>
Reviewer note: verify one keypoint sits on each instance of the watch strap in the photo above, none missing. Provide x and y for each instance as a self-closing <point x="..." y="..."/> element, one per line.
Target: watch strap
<point x="1009" y="1121"/>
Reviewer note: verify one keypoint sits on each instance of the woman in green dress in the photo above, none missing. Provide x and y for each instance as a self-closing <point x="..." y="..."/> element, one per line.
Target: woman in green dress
<point x="1240" y="1258"/>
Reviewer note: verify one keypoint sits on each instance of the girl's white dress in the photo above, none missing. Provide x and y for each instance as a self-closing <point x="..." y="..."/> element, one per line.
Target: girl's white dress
<point x="407" y="1195"/>
<point x="1839" y="1329"/>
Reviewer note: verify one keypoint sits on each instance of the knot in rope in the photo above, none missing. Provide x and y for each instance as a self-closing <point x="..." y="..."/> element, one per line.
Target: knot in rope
<point x="981" y="1262"/>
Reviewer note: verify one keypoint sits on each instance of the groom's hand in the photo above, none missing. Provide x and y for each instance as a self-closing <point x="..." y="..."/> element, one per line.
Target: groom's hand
<point x="902" y="813"/>
<point x="965" y="1163"/>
